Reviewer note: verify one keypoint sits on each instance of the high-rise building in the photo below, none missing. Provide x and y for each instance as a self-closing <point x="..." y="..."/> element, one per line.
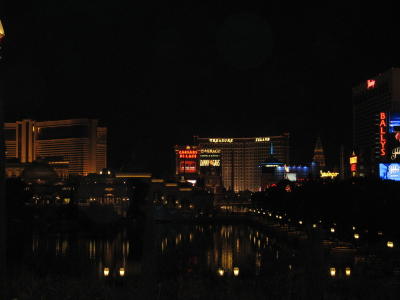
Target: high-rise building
<point x="373" y="102"/>
<point x="79" y="142"/>
<point x="319" y="156"/>
<point x="241" y="158"/>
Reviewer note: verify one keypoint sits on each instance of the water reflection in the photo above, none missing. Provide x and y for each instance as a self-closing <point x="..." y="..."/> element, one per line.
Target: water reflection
<point x="191" y="250"/>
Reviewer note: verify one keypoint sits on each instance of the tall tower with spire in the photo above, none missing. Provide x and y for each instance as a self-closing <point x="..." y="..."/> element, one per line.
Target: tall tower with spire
<point x="319" y="156"/>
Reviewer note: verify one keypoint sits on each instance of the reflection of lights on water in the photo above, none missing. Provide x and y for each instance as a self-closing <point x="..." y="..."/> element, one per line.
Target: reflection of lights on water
<point x="35" y="244"/>
<point x="190" y="236"/>
<point x="356" y="236"/>
<point x="332" y="271"/>
<point x="221" y="272"/>
<point x="259" y="243"/>
<point x="236" y="271"/>
<point x="390" y="244"/>
<point x="106" y="272"/>
<point x="290" y="267"/>
<point x="348" y="271"/>
<point x="122" y="272"/>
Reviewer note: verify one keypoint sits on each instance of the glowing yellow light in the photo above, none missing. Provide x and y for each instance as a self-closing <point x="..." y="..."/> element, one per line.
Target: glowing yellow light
<point x="300" y="222"/>
<point x="348" y="271"/>
<point x="157" y="180"/>
<point x="354" y="228"/>
<point x="390" y="244"/>
<point x="314" y="225"/>
<point x="106" y="272"/>
<point x="122" y="272"/>
<point x="356" y="236"/>
<point x="221" y="272"/>
<point x="236" y="271"/>
<point x="2" y="34"/>
<point x="380" y="233"/>
<point x="353" y="160"/>
<point x="280" y="217"/>
<point x="332" y="229"/>
<point x="332" y="271"/>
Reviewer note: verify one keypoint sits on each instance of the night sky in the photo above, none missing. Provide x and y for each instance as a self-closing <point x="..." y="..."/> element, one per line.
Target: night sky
<point x="158" y="74"/>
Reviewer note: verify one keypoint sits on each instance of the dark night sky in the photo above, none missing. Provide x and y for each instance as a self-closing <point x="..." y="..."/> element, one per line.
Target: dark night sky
<point x="157" y="74"/>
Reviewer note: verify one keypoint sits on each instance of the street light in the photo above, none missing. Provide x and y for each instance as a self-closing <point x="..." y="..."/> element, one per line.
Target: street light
<point x="332" y="271"/>
<point x="221" y="272"/>
<point x="390" y="244"/>
<point x="236" y="271"/>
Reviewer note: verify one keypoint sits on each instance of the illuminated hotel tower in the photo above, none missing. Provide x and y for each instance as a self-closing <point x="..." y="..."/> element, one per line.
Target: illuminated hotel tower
<point x="80" y="142"/>
<point x="378" y="94"/>
<point x="241" y="158"/>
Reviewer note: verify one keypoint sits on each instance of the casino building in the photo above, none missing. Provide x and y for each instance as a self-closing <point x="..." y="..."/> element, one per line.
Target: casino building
<point x="79" y="143"/>
<point x="239" y="158"/>
<point x="376" y="122"/>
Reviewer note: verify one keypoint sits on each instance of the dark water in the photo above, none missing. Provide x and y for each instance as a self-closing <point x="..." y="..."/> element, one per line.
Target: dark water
<point x="279" y="263"/>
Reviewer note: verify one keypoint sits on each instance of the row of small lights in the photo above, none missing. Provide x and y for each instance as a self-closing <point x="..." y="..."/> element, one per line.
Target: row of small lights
<point x="389" y="244"/>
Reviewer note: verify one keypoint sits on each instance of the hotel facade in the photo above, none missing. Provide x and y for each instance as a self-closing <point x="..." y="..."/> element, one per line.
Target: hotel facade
<point x="80" y="143"/>
<point x="241" y="158"/>
<point x="376" y="124"/>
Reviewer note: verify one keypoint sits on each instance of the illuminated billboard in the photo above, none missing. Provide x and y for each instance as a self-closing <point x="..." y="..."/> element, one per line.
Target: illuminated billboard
<point x="210" y="157"/>
<point x="187" y="166"/>
<point x="389" y="171"/>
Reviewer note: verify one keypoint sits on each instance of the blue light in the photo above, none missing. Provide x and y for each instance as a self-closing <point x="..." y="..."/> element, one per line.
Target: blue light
<point x="389" y="171"/>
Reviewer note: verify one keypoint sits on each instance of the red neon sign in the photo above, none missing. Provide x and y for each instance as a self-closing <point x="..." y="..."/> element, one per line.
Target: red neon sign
<point x="187" y="153"/>
<point x="353" y="167"/>
<point x="382" y="133"/>
<point x="370" y="84"/>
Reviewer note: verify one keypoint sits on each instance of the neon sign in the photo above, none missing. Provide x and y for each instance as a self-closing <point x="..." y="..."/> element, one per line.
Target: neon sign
<point x="395" y="153"/>
<point x="328" y="174"/>
<point x="187" y="153"/>
<point x="221" y="140"/>
<point x="389" y="171"/>
<point x="353" y="163"/>
<point x="262" y="139"/>
<point x="210" y="151"/>
<point x="382" y="133"/>
<point x="370" y="83"/>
